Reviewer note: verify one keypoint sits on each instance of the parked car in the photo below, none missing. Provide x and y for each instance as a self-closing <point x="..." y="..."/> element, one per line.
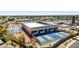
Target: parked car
<point x="1" y="42"/>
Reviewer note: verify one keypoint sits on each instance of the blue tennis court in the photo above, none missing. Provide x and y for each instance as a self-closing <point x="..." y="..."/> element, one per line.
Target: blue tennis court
<point x="51" y="37"/>
<point x="14" y="30"/>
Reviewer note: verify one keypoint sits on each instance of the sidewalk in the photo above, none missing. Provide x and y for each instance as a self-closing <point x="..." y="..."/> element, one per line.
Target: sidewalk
<point x="70" y="44"/>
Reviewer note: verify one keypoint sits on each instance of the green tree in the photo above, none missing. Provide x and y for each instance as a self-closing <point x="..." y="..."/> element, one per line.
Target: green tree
<point x="9" y="37"/>
<point x="2" y="30"/>
<point x="22" y="39"/>
<point x="30" y="46"/>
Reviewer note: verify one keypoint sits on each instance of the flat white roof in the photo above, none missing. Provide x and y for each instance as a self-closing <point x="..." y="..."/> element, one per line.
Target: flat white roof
<point x="64" y="25"/>
<point x="33" y="24"/>
<point x="51" y="23"/>
<point x="77" y="26"/>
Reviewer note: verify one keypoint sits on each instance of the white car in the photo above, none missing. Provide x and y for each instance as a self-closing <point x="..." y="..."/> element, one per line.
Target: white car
<point x="1" y="42"/>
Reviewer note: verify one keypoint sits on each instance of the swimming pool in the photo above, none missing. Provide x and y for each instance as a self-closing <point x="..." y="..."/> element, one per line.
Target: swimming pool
<point x="14" y="30"/>
<point x="51" y="37"/>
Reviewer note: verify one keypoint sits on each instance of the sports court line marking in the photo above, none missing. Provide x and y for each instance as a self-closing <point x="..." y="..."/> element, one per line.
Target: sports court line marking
<point x="64" y="33"/>
<point x="62" y="36"/>
<point x="49" y="37"/>
<point x="41" y="39"/>
<point x="54" y="36"/>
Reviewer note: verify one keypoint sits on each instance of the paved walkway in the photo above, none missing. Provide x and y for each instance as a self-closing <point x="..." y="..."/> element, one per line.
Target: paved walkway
<point x="70" y="43"/>
<point x="75" y="45"/>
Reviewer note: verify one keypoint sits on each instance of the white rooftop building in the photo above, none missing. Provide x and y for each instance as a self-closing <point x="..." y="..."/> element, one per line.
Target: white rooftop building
<point x="38" y="27"/>
<point x="21" y="20"/>
<point x="51" y="23"/>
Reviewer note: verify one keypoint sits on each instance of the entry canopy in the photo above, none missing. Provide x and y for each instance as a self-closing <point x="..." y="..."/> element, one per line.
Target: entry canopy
<point x="38" y="13"/>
